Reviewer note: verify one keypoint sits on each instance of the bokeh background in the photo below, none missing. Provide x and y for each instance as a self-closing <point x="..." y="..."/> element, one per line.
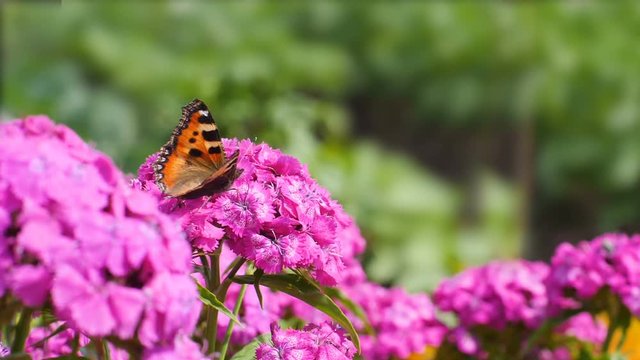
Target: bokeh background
<point x="455" y="133"/>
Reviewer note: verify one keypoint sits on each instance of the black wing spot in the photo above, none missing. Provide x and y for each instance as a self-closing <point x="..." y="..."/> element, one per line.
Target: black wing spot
<point x="205" y="119"/>
<point x="195" y="152"/>
<point x="192" y="140"/>
<point x="195" y="133"/>
<point x="212" y="135"/>
<point x="215" y="150"/>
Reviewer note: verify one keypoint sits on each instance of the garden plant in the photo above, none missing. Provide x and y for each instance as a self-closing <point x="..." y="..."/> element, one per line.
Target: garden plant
<point x="97" y="264"/>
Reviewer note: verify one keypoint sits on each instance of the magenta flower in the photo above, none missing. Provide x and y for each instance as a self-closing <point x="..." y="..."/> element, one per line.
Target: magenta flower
<point x="314" y="342"/>
<point x="579" y="272"/>
<point x="59" y="344"/>
<point x="466" y="342"/>
<point x="256" y="319"/>
<point x="181" y="348"/>
<point x="584" y="327"/>
<point x="4" y="350"/>
<point x="561" y="353"/>
<point x="244" y="209"/>
<point x="404" y="323"/>
<point x="497" y="295"/>
<point x="275" y="215"/>
<point x="73" y="234"/>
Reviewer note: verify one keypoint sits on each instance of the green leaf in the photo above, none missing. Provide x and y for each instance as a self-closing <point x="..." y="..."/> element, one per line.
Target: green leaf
<point x="209" y="299"/>
<point x="545" y="330"/>
<point x="248" y="352"/>
<point x="55" y="332"/>
<point x="356" y="309"/>
<point x="624" y="322"/>
<point x="299" y="287"/>
<point x="337" y="294"/>
<point x="18" y="356"/>
<point x="256" y="285"/>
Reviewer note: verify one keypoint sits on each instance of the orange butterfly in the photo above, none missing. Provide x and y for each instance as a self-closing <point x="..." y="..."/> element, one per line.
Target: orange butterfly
<point x="192" y="163"/>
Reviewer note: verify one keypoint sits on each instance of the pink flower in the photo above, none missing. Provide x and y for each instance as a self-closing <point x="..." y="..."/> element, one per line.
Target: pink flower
<point x="497" y="295"/>
<point x="403" y="323"/>
<point x="173" y="311"/>
<point x="314" y="342"/>
<point x="57" y="345"/>
<point x="465" y="342"/>
<point x="610" y="261"/>
<point x="274" y="215"/>
<point x="181" y="348"/>
<point x="4" y="350"/>
<point x="256" y="319"/>
<point x="73" y="234"/>
<point x="244" y="209"/>
<point x="561" y="353"/>
<point x="584" y="327"/>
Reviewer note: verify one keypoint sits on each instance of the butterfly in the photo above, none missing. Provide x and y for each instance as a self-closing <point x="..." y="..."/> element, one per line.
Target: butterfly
<point x="192" y="163"/>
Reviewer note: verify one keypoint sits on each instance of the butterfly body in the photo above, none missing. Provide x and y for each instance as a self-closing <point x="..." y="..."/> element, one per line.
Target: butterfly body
<point x="192" y="163"/>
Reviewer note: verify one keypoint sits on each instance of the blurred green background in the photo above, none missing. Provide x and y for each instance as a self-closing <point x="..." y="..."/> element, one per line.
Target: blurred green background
<point x="455" y="133"/>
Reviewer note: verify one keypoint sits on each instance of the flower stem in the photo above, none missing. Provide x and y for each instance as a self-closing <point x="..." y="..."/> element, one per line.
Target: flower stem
<point x="213" y="282"/>
<point x="221" y="294"/>
<point x="204" y="262"/>
<point x="22" y="330"/>
<point x="102" y="352"/>
<point x="236" y="311"/>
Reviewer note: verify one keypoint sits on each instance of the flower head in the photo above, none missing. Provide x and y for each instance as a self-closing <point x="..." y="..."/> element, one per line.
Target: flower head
<point x="314" y="342"/>
<point x="274" y="214"/>
<point x="41" y="344"/>
<point x="497" y="294"/>
<point x="579" y="272"/>
<point x="73" y="233"/>
<point x="403" y="323"/>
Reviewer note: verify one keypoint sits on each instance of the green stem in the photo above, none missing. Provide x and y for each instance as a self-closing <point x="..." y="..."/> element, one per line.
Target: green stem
<point x="100" y="346"/>
<point x="75" y="345"/>
<point x="22" y="331"/>
<point x="204" y="262"/>
<point x="236" y="311"/>
<point x="614" y="315"/>
<point x="221" y="294"/>
<point x="213" y="282"/>
<point x="107" y="351"/>
<point x="610" y="331"/>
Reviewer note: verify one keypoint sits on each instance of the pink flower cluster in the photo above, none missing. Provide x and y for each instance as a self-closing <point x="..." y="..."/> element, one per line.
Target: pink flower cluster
<point x="403" y="323"/>
<point x="506" y="295"/>
<point x="73" y="234"/>
<point x="275" y="214"/>
<point x="579" y="272"/>
<point x="42" y="343"/>
<point x="497" y="294"/>
<point x="314" y="342"/>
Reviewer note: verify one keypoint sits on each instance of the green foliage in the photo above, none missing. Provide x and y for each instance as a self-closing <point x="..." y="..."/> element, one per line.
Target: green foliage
<point x="209" y="299"/>
<point x="301" y="288"/>
<point x="248" y="352"/>
<point x="298" y="75"/>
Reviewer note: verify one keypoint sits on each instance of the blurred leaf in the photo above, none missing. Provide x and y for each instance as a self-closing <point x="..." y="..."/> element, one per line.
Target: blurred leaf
<point x="209" y="299"/>
<point x="248" y="352"/>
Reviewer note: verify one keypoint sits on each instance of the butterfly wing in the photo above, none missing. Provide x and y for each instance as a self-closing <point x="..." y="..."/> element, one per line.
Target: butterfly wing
<point x="193" y="156"/>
